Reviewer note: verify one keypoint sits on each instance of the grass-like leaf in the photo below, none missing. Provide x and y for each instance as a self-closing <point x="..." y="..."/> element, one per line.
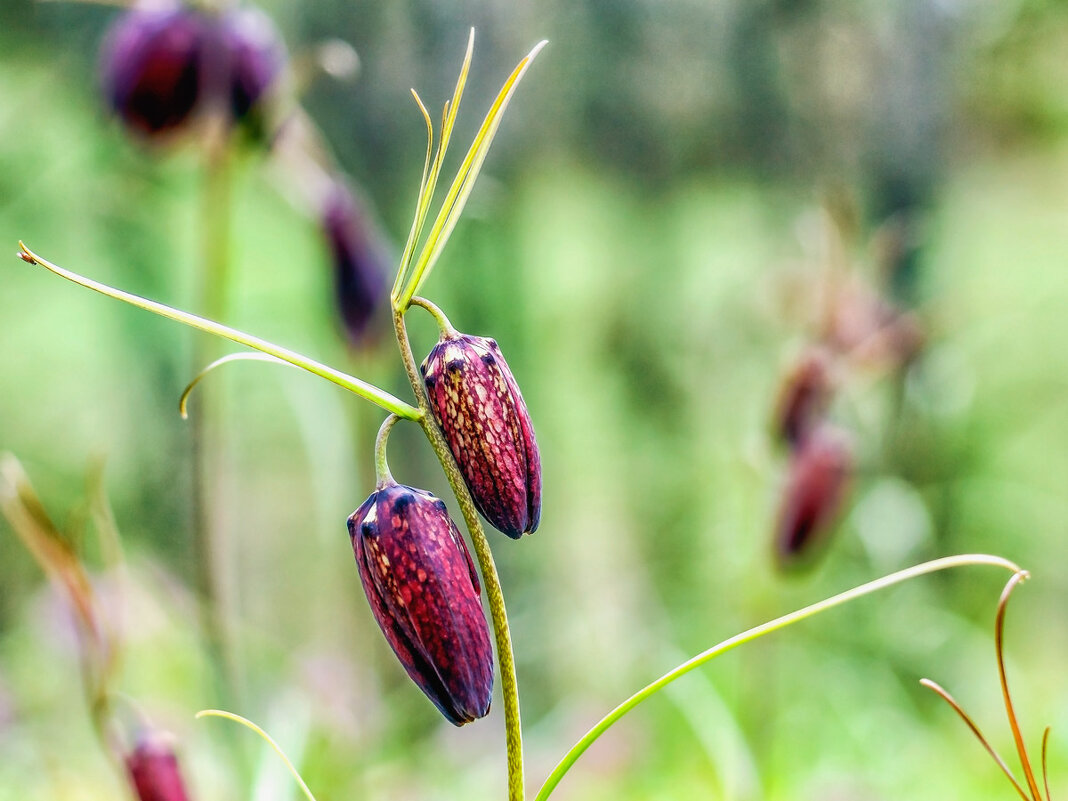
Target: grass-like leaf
<point x="248" y="724"/>
<point x="755" y="633"/>
<point x="233" y="357"/>
<point x="411" y="276"/>
<point x="351" y="383"/>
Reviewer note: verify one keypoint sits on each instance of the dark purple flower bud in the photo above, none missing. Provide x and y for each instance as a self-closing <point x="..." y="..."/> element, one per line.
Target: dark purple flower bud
<point x="255" y="53"/>
<point x="361" y="262"/>
<point x="153" y="770"/>
<point x="481" y="411"/>
<point x="424" y="593"/>
<point x="804" y="397"/>
<point x="819" y="473"/>
<point x="152" y="66"/>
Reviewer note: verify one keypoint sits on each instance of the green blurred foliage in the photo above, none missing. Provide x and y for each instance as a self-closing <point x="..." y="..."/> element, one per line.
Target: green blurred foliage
<point x="642" y="244"/>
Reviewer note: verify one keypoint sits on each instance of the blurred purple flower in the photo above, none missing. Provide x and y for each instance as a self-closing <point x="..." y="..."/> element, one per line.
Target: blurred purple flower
<point x="161" y="64"/>
<point x="153" y="770"/>
<point x="151" y="66"/>
<point x="361" y="261"/>
<point x="819" y="474"/>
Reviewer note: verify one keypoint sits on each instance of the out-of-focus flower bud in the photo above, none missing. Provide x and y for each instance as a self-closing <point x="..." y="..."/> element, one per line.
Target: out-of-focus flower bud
<point x="151" y="66"/>
<point x="819" y="473"/>
<point x="162" y="64"/>
<point x="255" y="53"/>
<point x="481" y="411"/>
<point x="424" y="593"/>
<point x="360" y="261"/>
<point x="804" y="397"/>
<point x="153" y="770"/>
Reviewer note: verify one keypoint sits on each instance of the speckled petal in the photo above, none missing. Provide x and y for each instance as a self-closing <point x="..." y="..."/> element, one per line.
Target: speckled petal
<point x="481" y="411"/>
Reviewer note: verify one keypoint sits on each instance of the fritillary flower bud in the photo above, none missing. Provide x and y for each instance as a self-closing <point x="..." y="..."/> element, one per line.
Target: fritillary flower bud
<point x="151" y="66"/>
<point x="804" y="397"/>
<point x="819" y="473"/>
<point x="153" y="770"/>
<point x="360" y="262"/>
<point x="425" y="595"/>
<point x="256" y="56"/>
<point x="162" y="64"/>
<point x="481" y="411"/>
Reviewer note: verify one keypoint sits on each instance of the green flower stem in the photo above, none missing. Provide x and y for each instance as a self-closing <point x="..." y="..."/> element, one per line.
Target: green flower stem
<point x="755" y="633"/>
<point x="439" y="316"/>
<point x="207" y="435"/>
<point x="382" y="475"/>
<point x="490" y="580"/>
<point x="368" y="391"/>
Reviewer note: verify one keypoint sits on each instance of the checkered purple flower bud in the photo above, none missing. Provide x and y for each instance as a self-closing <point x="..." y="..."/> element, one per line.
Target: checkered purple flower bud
<point x="485" y="421"/>
<point x="424" y="594"/>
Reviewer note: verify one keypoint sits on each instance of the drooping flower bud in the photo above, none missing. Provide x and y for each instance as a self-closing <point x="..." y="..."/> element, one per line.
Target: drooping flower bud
<point x="162" y="64"/>
<point x="151" y="66"/>
<point x="153" y="770"/>
<point x="481" y="411"/>
<point x="819" y="473"/>
<point x="425" y="595"/>
<point x="360" y="262"/>
<point x="256" y="55"/>
<point x="804" y="396"/>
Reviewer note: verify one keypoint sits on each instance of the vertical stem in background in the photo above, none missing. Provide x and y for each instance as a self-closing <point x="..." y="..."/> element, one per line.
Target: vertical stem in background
<point x="212" y="290"/>
<point x="490" y="581"/>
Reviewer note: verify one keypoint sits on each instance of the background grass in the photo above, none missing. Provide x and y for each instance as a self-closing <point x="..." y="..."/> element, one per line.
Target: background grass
<point x="647" y="305"/>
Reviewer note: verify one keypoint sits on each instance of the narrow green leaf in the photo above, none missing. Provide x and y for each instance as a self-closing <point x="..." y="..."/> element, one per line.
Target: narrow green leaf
<point x="248" y="724"/>
<point x="233" y="357"/>
<point x="463" y="183"/>
<point x="755" y="633"/>
<point x="351" y="383"/>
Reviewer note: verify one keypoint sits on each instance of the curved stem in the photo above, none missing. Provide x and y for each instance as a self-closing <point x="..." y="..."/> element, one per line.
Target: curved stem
<point x="752" y="634"/>
<point x="382" y="475"/>
<point x="435" y="311"/>
<point x="351" y="383"/>
<point x="999" y="647"/>
<point x="248" y="724"/>
<point x="949" y="699"/>
<point x="490" y="580"/>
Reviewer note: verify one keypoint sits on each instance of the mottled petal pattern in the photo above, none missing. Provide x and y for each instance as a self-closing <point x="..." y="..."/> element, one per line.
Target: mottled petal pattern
<point x="424" y="594"/>
<point x="478" y="404"/>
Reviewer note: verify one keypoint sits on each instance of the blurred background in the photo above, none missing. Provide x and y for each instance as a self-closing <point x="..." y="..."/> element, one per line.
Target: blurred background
<point x="675" y="199"/>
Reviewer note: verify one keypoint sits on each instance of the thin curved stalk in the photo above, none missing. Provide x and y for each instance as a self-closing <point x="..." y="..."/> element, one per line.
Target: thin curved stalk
<point x="248" y="724"/>
<point x="949" y="699"/>
<point x="999" y="643"/>
<point x="351" y="383"/>
<point x="183" y="401"/>
<point x="491" y="582"/>
<point x="753" y="634"/>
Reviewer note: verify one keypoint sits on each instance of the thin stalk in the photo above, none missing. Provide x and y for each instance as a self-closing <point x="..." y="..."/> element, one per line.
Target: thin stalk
<point x="209" y="568"/>
<point x="490" y="580"/>
<point x="752" y="634"/>
<point x="1014" y="724"/>
<point x="439" y="316"/>
<point x="367" y="391"/>
<point x="949" y="699"/>
<point x="383" y="477"/>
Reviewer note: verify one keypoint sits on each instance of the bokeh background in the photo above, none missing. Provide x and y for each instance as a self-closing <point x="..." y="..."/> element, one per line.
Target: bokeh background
<point x="668" y="187"/>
